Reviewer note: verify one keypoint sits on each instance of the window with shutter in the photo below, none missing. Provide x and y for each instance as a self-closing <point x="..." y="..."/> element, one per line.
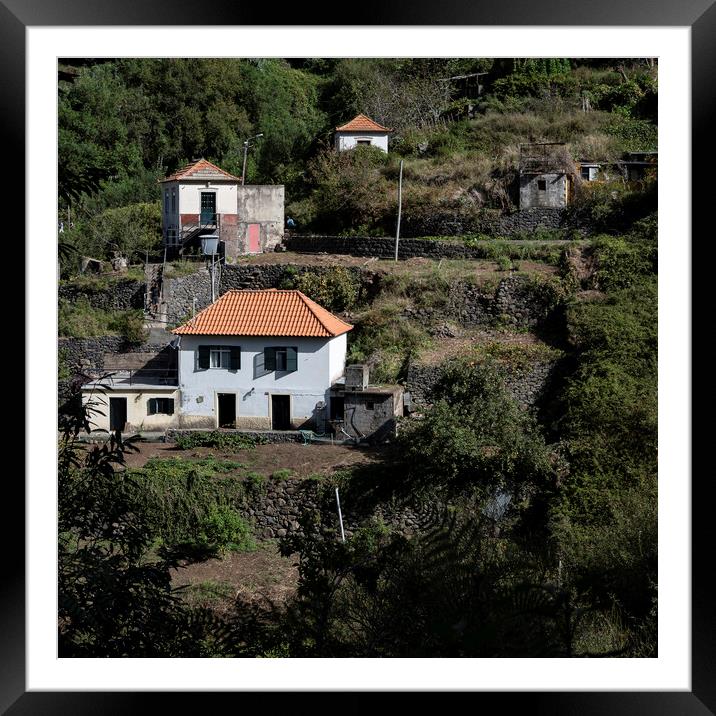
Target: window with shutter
<point x="203" y="360"/>
<point x="281" y="359"/>
<point x="269" y="359"/>
<point x="235" y="361"/>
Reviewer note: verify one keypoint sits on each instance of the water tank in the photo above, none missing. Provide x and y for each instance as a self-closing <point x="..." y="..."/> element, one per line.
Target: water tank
<point x="209" y="244"/>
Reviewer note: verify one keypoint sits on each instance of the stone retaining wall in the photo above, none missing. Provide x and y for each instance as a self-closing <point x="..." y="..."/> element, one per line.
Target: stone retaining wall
<point x="526" y="384"/>
<point x="266" y="436"/>
<point x="179" y="293"/>
<point x="277" y="510"/>
<point x="85" y="356"/>
<point x="121" y="295"/>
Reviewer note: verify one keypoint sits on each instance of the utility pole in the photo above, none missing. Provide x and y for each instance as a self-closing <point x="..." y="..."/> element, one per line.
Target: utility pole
<point x="340" y="515"/>
<point x="246" y="150"/>
<point x="400" y="202"/>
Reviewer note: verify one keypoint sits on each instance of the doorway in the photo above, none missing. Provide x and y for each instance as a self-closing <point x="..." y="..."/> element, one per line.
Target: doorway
<point x="227" y="410"/>
<point x="117" y="413"/>
<point x="254" y="232"/>
<point x="208" y="207"/>
<point x="280" y="412"/>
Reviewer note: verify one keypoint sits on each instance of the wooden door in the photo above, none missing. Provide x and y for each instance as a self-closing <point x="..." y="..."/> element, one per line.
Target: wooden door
<point x="281" y="412"/>
<point x="117" y="413"/>
<point x="227" y="410"/>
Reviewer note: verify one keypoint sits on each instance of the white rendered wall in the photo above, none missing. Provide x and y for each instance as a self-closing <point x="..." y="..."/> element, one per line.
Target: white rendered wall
<point x="337" y="356"/>
<point x="191" y="197"/>
<point x="252" y="384"/>
<point x="137" y="405"/>
<point x="350" y="140"/>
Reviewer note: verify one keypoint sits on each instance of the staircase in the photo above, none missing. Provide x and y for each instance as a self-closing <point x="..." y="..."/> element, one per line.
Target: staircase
<point x="190" y="232"/>
<point x="153" y="277"/>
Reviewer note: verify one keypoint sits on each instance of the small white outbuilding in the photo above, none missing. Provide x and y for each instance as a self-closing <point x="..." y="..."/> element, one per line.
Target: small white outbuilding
<point x="362" y="130"/>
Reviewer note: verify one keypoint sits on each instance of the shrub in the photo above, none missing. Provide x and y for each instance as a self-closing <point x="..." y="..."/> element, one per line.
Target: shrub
<point x="234" y="441"/>
<point x="130" y="325"/>
<point x="621" y="262"/>
<point x="336" y="289"/>
<point x="225" y="529"/>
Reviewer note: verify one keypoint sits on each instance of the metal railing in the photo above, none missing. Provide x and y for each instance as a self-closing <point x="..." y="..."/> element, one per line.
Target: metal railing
<point x="145" y="376"/>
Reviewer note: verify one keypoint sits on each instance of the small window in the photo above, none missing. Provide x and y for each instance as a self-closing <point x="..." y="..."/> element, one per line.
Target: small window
<point x="160" y="406"/>
<point x="542" y="184"/>
<point x="228" y="357"/>
<point x="166" y="202"/>
<point x="174" y="201"/>
<point x="281" y="359"/>
<point x="363" y="141"/>
<point x="219" y="357"/>
<point x="370" y="405"/>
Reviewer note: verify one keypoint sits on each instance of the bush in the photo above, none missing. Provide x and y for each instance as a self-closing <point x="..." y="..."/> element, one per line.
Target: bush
<point x="337" y="289"/>
<point x="131" y="327"/>
<point x="234" y="441"/>
<point x="225" y="529"/>
<point x="621" y="262"/>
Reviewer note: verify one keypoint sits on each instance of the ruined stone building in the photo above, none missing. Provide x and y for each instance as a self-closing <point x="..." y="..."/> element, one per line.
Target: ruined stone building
<point x="546" y="175"/>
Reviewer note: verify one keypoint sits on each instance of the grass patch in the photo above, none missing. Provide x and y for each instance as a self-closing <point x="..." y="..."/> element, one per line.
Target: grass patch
<point x="78" y="319"/>
<point x="207" y="593"/>
<point x="176" y="269"/>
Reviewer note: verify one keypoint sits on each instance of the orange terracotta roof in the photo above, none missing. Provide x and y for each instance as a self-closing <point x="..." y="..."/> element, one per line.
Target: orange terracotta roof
<point x="201" y="169"/>
<point x="269" y="312"/>
<point x="361" y="123"/>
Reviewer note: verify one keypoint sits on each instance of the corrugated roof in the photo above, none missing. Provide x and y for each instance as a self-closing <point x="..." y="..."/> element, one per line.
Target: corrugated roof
<point x="201" y="169"/>
<point x="269" y="312"/>
<point x="361" y="123"/>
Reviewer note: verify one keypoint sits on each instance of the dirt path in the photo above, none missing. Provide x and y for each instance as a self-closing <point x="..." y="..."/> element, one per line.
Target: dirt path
<point x="259" y="577"/>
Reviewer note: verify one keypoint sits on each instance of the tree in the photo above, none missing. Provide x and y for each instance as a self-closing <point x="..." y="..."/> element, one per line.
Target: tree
<point x="115" y="597"/>
<point x="130" y="230"/>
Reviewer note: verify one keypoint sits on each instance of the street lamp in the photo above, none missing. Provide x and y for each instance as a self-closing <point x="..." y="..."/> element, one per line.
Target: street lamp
<point x="246" y="149"/>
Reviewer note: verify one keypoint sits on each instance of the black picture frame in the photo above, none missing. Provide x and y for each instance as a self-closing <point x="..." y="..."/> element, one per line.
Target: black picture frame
<point x="699" y="15"/>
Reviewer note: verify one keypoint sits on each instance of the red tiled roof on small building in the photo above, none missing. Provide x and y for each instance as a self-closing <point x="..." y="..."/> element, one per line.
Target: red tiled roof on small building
<point x="201" y="169"/>
<point x="269" y="312"/>
<point x="361" y="123"/>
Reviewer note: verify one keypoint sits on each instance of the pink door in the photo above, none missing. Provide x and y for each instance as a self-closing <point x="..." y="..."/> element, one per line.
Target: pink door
<point x="254" y="238"/>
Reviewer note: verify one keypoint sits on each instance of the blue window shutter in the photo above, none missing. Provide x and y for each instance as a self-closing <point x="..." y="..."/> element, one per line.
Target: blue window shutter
<point x="235" y="361"/>
<point x="204" y="357"/>
<point x="291" y="359"/>
<point x="269" y="359"/>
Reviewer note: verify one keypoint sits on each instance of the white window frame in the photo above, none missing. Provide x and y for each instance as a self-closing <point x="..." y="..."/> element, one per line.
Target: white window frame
<point x="220" y="357"/>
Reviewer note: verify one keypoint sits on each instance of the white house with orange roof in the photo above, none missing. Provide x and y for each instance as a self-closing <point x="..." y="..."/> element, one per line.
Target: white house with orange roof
<point x="202" y="199"/>
<point x="361" y="131"/>
<point x="267" y="359"/>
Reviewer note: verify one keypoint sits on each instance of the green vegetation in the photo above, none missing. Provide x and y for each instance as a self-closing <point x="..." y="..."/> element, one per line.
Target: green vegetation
<point x="217" y="439"/>
<point x="336" y="289"/>
<point x="78" y="319"/>
<point x="459" y="163"/>
<point x="207" y="593"/>
<point x="226" y="530"/>
<point x="536" y="532"/>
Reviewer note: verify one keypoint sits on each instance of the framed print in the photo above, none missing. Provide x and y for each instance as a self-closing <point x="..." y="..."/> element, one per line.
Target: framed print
<point x="677" y="676"/>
